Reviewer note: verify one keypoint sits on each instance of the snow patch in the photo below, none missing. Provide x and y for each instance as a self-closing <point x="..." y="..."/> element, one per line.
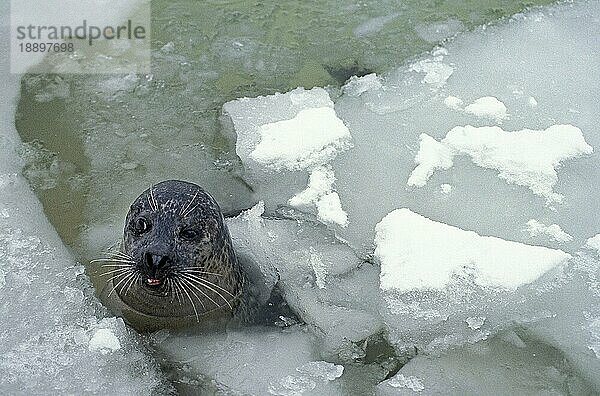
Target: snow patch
<point x="446" y="188"/>
<point x="436" y="71"/>
<point x="535" y="228"/>
<point x="526" y="158"/>
<point x="418" y="253"/>
<point x="319" y="193"/>
<point x="475" y="322"/>
<point x="313" y="137"/>
<point x="104" y="341"/>
<point x="488" y="107"/>
<point x="432" y="155"/>
<point x="593" y="243"/>
<point x="453" y="102"/>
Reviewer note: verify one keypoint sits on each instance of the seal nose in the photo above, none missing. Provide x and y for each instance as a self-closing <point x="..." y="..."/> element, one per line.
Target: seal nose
<point x="156" y="261"/>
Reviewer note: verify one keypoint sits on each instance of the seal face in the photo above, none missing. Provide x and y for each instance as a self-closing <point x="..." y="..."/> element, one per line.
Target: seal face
<point x="177" y="260"/>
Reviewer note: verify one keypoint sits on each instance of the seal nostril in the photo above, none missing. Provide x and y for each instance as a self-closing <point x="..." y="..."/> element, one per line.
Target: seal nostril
<point x="148" y="259"/>
<point x="155" y="261"/>
<point x="162" y="262"/>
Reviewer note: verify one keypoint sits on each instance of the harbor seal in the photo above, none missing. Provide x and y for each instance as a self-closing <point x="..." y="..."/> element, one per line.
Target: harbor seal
<point x="176" y="266"/>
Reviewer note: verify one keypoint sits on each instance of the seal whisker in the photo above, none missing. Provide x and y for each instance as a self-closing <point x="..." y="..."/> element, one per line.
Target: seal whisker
<point x="116" y="266"/>
<point x="169" y="283"/>
<point x="111" y="260"/>
<point x="197" y="281"/>
<point x="191" y="301"/>
<point x="122" y="273"/>
<point x="192" y="271"/>
<point x="189" y="211"/>
<point x="186" y="282"/>
<point x="131" y="282"/>
<point x="190" y="282"/>
<point x="118" y="254"/>
<point x="121" y="281"/>
<point x="152" y="199"/>
<point x="212" y="284"/>
<point x="175" y="289"/>
<point x="118" y="270"/>
<point x="184" y="209"/>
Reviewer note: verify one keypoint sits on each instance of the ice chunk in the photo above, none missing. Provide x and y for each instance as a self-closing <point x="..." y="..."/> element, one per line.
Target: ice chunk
<point x="312" y="138"/>
<point x="475" y="322"/>
<point x="418" y="253"/>
<point x="400" y="381"/>
<point x="329" y="209"/>
<point x="554" y="231"/>
<point x="435" y="278"/>
<point x="247" y="115"/>
<point x="453" y="102"/>
<point x="296" y="133"/>
<point x="104" y="341"/>
<point x="322" y="370"/>
<point x="436" y="71"/>
<point x="593" y="243"/>
<point x="321" y="278"/>
<point x="356" y="86"/>
<point x="310" y="374"/>
<point x="488" y="107"/>
<point x="527" y="158"/>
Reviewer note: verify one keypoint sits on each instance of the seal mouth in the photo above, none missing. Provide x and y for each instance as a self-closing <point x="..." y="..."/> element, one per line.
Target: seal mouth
<point x="153" y="282"/>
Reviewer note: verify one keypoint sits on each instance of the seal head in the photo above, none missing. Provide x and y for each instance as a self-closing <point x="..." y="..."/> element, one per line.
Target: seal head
<point x="177" y="264"/>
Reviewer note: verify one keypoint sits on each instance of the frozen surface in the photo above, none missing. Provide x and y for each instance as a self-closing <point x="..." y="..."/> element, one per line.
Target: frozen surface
<point x="537" y="166"/>
<point x="417" y="253"/>
<point x="326" y="282"/>
<point x="508" y="364"/>
<point x="256" y="361"/>
<point x="53" y="332"/>
<point x="541" y="155"/>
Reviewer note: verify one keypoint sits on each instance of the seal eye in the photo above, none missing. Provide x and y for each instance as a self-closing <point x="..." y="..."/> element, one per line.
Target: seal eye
<point x="141" y="226"/>
<point x="189" y="233"/>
